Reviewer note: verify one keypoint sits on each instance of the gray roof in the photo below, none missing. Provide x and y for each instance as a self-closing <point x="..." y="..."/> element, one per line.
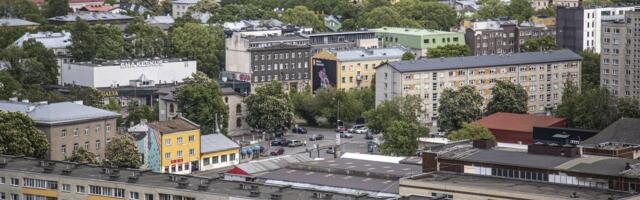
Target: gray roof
<point x="516" y="158"/>
<point x="369" y="54"/>
<point x="484" y="61"/>
<point x="160" y="20"/>
<point x="16" y="22"/>
<point x="243" y="24"/>
<point x="624" y="130"/>
<point x="91" y="16"/>
<point x="275" y="38"/>
<point x="203" y="17"/>
<point x="382" y="168"/>
<point x="57" y="113"/>
<point x="270" y="164"/>
<point x="216" y="142"/>
<point x="334" y="180"/>
<point x="185" y="1"/>
<point x="50" y="40"/>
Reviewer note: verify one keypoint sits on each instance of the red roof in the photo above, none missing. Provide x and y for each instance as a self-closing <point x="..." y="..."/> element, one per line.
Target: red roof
<point x="519" y="122"/>
<point x="97" y="8"/>
<point x="238" y="171"/>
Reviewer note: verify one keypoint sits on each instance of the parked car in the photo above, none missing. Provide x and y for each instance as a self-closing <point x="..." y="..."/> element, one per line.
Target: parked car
<point x="331" y="150"/>
<point x="315" y="137"/>
<point x="277" y="152"/>
<point x="279" y="142"/>
<point x="294" y="143"/>
<point x="341" y="129"/>
<point x="355" y="127"/>
<point x="299" y="130"/>
<point x="362" y="130"/>
<point x="346" y="135"/>
<point x="368" y="136"/>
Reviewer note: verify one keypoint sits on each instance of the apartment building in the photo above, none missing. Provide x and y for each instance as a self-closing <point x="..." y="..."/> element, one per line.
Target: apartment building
<point x="179" y="146"/>
<point x="69" y="126"/>
<point x="350" y="69"/>
<point x="283" y="58"/>
<point x="502" y="36"/>
<point x="180" y="7"/>
<point x="542" y="74"/>
<point x="418" y="40"/>
<point x="28" y="178"/>
<point x="542" y="4"/>
<point x="341" y="40"/>
<point x="619" y="56"/>
<point x="580" y="28"/>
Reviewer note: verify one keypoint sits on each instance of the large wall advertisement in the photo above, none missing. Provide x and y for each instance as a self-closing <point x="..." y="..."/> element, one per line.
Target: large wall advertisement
<point x="324" y="73"/>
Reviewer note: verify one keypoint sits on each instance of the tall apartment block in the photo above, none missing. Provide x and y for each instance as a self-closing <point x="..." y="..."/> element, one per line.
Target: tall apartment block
<point x="580" y="28"/>
<point x="502" y="36"/>
<point x="283" y="58"/>
<point x="619" y="63"/>
<point x="418" y="40"/>
<point x="542" y="74"/>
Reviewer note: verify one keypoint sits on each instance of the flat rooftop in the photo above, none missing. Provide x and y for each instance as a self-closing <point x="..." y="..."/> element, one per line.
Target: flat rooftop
<point x="541" y="190"/>
<point x="334" y="180"/>
<point x="382" y="168"/>
<point x="99" y="63"/>
<point x="411" y="31"/>
<point x="162" y="181"/>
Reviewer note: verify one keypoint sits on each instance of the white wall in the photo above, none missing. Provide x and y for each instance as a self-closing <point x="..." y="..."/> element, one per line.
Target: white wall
<point x="113" y="75"/>
<point x="211" y="166"/>
<point x="592" y="25"/>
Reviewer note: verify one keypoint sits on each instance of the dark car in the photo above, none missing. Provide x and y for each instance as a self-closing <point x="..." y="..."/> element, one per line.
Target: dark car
<point x="294" y="143"/>
<point x="331" y="150"/>
<point x="299" y="130"/>
<point x="279" y="142"/>
<point x="277" y="152"/>
<point x="368" y="136"/>
<point x="315" y="137"/>
<point x="346" y="135"/>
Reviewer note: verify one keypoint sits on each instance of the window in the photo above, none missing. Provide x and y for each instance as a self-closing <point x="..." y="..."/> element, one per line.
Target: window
<point x="64" y="133"/>
<point x="223" y="158"/>
<point x="192" y="152"/>
<point x="86" y="131"/>
<point x="134" y="195"/>
<point x="232" y="157"/>
<point x="97" y="130"/>
<point x="63" y="149"/>
<point x="15" y="181"/>
<point x="75" y="132"/>
<point x="179" y="154"/>
<point x="66" y="187"/>
<point x="106" y="191"/>
<point x="214" y="159"/>
<point x="179" y="140"/>
<point x="192" y="138"/>
<point x="39" y="183"/>
<point x="167" y="141"/>
<point x="1" y="180"/>
<point x="86" y="145"/>
<point x="97" y="144"/>
<point x="167" y="155"/>
<point x="75" y="146"/>
<point x="80" y="189"/>
<point x="148" y="196"/>
<point x="206" y="161"/>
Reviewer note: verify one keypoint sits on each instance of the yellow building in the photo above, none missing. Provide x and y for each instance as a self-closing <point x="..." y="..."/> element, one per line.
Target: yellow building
<point x="350" y="69"/>
<point x="179" y="145"/>
<point x="541" y="19"/>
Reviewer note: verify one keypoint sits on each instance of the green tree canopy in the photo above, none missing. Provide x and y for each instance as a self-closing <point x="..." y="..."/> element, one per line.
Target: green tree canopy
<point x="9" y="87"/>
<point x="590" y="71"/>
<point x="200" y="99"/>
<point x="112" y="45"/>
<point x="137" y="112"/>
<point x="429" y="14"/>
<point x="301" y="15"/>
<point x="507" y="97"/>
<point x="148" y="41"/>
<point x="545" y="43"/>
<point x="83" y="41"/>
<point x="81" y="155"/>
<point x="449" y="50"/>
<point x="490" y="9"/>
<point x="236" y="12"/>
<point x="122" y="152"/>
<point x="401" y="108"/>
<point x="20" y="136"/>
<point x="87" y="95"/>
<point x="203" y="43"/>
<point x="385" y="16"/>
<point x="471" y="131"/>
<point x="629" y="107"/>
<point x="331" y="102"/>
<point x="8" y="35"/>
<point x="521" y="10"/>
<point x="54" y="8"/>
<point x="457" y="107"/>
<point x="591" y="108"/>
<point x="304" y="106"/>
<point x="269" y="108"/>
<point x="408" y="56"/>
<point x="401" y="138"/>
<point x="24" y="9"/>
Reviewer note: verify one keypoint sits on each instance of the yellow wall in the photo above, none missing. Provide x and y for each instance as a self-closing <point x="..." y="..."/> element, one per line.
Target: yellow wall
<point x="174" y="147"/>
<point x="94" y="197"/>
<point x="367" y="71"/>
<point x="219" y="153"/>
<point x="41" y="192"/>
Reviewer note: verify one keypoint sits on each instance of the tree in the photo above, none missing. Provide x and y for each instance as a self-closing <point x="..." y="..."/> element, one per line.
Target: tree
<point x="87" y="95"/>
<point x="9" y="87"/>
<point x="33" y="66"/>
<point x="449" y="50"/>
<point x="23" y="9"/>
<point x="408" y="56"/>
<point x="337" y="105"/>
<point x="521" y="10"/>
<point x="403" y="108"/>
<point x="112" y="45"/>
<point x="122" y="152"/>
<point x="81" y="155"/>
<point x="54" y="8"/>
<point x="301" y="15"/>
<point x="471" y="131"/>
<point x="113" y="105"/>
<point x="200" y="99"/>
<point x="20" y="136"/>
<point x="542" y="44"/>
<point x="507" y="97"/>
<point x="385" y="16"/>
<point x="369" y="5"/>
<point x="204" y="6"/>
<point x="269" y="108"/>
<point x="490" y="9"/>
<point x="429" y="14"/>
<point x="236" y="12"/>
<point x="457" y="107"/>
<point x="590" y="75"/>
<point x="401" y="138"/>
<point x="568" y="107"/>
<point x="83" y="41"/>
<point x="148" y="41"/>
<point x="549" y="11"/>
<point x="205" y="44"/>
<point x="8" y="35"/>
<point x="303" y="103"/>
<point x="591" y="108"/>
<point x="137" y="112"/>
<point x="629" y="107"/>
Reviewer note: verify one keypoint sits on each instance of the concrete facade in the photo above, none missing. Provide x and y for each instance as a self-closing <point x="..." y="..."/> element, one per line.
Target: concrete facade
<point x="419" y="40"/>
<point x="180" y="7"/>
<point x="618" y="71"/>
<point x="92" y="135"/>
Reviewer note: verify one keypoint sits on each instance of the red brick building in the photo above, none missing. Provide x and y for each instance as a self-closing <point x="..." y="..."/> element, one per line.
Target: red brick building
<point x="518" y="128"/>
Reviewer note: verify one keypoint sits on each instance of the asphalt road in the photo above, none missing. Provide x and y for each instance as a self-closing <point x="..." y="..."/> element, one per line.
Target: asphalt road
<point x="357" y="144"/>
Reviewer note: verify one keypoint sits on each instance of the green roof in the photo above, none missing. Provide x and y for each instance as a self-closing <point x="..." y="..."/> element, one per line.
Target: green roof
<point x="409" y="31"/>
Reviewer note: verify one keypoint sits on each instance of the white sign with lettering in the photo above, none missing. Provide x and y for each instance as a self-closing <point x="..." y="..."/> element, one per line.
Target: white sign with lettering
<point x="139" y="64"/>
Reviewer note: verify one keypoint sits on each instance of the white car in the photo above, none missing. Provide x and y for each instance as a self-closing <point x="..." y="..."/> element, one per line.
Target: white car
<point x="362" y="130"/>
<point x="354" y="128"/>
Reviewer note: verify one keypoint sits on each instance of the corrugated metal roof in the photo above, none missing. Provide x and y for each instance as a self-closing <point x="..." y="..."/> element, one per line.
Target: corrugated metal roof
<point x="50" y="40"/>
<point x="216" y="142"/>
<point x="16" y="22"/>
<point x="485" y="61"/>
<point x="369" y="54"/>
<point x="91" y="16"/>
<point x="56" y="113"/>
<point x="270" y="164"/>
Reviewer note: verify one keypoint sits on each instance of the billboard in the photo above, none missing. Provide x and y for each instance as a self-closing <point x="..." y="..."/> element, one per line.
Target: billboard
<point x="324" y="73"/>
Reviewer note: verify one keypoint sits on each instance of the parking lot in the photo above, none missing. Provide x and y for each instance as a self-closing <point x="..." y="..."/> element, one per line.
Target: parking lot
<point x="356" y="144"/>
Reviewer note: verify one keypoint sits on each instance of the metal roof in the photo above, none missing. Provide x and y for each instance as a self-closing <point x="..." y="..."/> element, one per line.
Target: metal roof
<point x="369" y="54"/>
<point x="410" y="31"/>
<point x="91" y="16"/>
<point x="270" y="164"/>
<point x="334" y="180"/>
<point x="50" y="40"/>
<point x="16" y="22"/>
<point x="160" y="20"/>
<point x="57" y="113"/>
<point x="216" y="142"/>
<point x="624" y="130"/>
<point x="485" y="61"/>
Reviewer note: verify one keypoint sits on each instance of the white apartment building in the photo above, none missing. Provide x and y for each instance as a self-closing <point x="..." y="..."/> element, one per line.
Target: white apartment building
<point x="180" y="7"/>
<point x="542" y="74"/>
<point x="133" y="73"/>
